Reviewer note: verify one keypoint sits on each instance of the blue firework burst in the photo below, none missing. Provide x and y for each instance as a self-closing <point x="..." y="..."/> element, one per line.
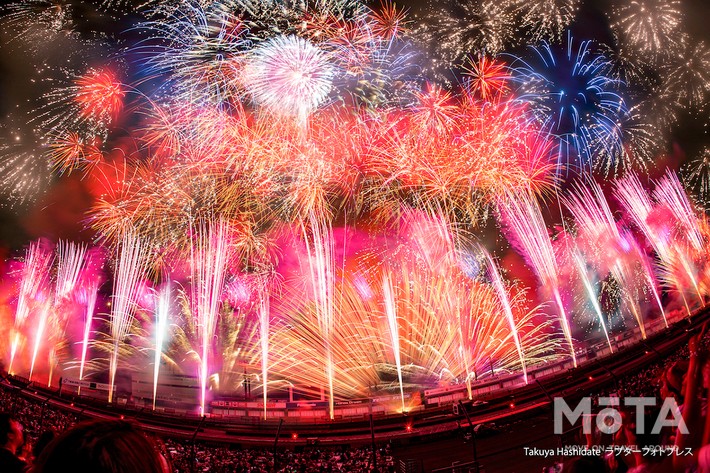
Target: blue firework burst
<point x="572" y="93"/>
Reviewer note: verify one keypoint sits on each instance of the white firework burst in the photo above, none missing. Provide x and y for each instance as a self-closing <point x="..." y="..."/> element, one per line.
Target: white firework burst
<point x="650" y="27"/>
<point x="289" y="76"/>
<point x="686" y="78"/>
<point x="548" y="19"/>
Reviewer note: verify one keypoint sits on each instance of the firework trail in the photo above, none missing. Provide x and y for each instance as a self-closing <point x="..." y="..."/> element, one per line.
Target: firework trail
<point x="648" y="270"/>
<point x="499" y="287"/>
<point x="70" y="264"/>
<point x="391" y="313"/>
<point x="522" y="216"/>
<point x="44" y="314"/>
<point x="597" y="227"/>
<point x="208" y="259"/>
<point x="87" y="295"/>
<point x="131" y="265"/>
<point x="591" y="294"/>
<point x="320" y="247"/>
<point x="33" y="278"/>
<point x="163" y="304"/>
<point x="669" y="191"/>
<point x="264" y="326"/>
<point x="639" y="207"/>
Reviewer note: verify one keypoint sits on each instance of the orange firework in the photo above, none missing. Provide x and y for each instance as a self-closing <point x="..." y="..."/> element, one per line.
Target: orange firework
<point x="71" y="151"/>
<point x="389" y="21"/>
<point x="100" y="95"/>
<point x="489" y="78"/>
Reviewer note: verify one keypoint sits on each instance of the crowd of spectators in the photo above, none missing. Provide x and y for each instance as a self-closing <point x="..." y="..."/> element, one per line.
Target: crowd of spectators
<point x="253" y="460"/>
<point x="41" y="421"/>
<point x="684" y="375"/>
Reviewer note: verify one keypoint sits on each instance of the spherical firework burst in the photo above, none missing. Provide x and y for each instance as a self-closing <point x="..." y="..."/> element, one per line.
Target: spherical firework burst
<point x="548" y="19"/>
<point x="89" y="106"/>
<point x="24" y="174"/>
<point x="288" y="75"/>
<point x="489" y="77"/>
<point x="99" y="95"/>
<point x="650" y="27"/>
<point x="686" y="78"/>
<point x="571" y="93"/>
<point x="461" y="28"/>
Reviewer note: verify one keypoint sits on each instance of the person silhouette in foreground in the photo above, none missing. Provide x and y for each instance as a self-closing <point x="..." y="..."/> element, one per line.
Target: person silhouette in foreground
<point x="11" y="439"/>
<point x="102" y="446"/>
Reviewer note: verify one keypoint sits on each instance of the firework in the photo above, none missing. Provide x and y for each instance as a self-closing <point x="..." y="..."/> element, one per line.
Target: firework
<point x="637" y="141"/>
<point x="391" y="312"/>
<point x="640" y="208"/>
<point x="547" y="20"/>
<point x="573" y="96"/>
<point x="605" y="243"/>
<point x="44" y="314"/>
<point x="289" y="75"/>
<point x="320" y="251"/>
<point x="686" y="77"/>
<point x="87" y="296"/>
<point x="162" y="317"/>
<point x="130" y="269"/>
<point x="592" y="296"/>
<point x="497" y="281"/>
<point x="697" y="175"/>
<point x="522" y="217"/>
<point x="90" y="106"/>
<point x="209" y="257"/>
<point x="25" y="175"/>
<point x="200" y="50"/>
<point x="459" y="29"/>
<point x="71" y="261"/>
<point x="489" y="78"/>
<point x="650" y="27"/>
<point x="671" y="194"/>
<point x="33" y="279"/>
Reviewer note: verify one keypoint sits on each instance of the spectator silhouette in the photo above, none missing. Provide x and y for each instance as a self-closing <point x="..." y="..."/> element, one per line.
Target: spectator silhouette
<point x="11" y="439"/>
<point x="104" y="446"/>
